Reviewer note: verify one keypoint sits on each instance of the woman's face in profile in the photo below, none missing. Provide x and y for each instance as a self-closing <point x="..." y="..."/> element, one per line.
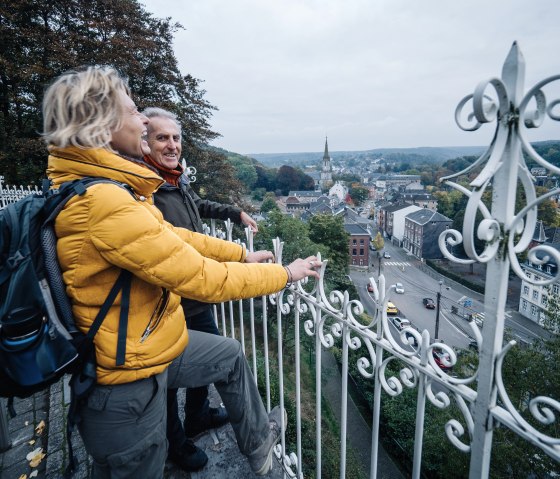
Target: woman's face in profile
<point x="131" y="138"/>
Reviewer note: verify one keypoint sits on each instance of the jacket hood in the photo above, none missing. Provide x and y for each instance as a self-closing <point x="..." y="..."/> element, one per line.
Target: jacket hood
<point x="71" y="163"/>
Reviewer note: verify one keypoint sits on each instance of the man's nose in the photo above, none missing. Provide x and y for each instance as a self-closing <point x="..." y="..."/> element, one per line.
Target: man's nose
<point x="171" y="143"/>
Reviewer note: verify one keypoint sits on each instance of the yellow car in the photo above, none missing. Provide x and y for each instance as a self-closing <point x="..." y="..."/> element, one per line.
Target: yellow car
<point x="391" y="308"/>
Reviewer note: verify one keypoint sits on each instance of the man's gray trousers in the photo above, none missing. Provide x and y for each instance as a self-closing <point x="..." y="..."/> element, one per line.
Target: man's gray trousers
<point x="123" y="426"/>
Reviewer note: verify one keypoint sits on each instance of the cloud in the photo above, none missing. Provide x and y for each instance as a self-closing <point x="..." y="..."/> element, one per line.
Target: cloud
<point x="368" y="74"/>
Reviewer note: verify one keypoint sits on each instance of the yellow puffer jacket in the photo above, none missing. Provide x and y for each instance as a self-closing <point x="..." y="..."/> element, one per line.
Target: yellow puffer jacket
<point x="106" y="229"/>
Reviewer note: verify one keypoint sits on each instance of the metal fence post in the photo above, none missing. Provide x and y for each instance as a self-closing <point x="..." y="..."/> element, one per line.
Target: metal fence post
<point x="4" y="435"/>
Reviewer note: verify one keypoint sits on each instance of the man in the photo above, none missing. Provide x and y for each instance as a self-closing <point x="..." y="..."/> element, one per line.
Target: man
<point x="181" y="206"/>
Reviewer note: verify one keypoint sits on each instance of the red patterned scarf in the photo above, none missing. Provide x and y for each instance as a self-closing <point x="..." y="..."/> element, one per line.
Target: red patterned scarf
<point x="170" y="176"/>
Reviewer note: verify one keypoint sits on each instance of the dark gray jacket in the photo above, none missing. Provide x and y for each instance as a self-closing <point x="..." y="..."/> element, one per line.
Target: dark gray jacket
<point x="182" y="207"/>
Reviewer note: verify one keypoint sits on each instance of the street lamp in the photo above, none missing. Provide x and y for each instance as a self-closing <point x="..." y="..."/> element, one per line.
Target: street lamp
<point x="437" y="309"/>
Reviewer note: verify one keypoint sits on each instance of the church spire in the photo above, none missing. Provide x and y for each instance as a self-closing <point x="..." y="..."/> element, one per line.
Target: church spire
<point x="326" y="171"/>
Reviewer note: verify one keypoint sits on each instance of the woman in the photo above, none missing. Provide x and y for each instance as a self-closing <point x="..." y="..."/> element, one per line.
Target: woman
<point x="93" y="129"/>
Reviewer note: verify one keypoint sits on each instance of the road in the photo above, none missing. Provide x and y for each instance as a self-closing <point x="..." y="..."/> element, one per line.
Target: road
<point x="453" y="329"/>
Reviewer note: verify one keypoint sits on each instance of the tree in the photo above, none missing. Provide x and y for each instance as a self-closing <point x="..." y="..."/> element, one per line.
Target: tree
<point x="329" y="230"/>
<point x="258" y="194"/>
<point x="39" y="40"/>
<point x="266" y="177"/>
<point x="293" y="232"/>
<point x="215" y="178"/>
<point x="246" y="174"/>
<point x="358" y="193"/>
<point x="552" y="317"/>
<point x="269" y="203"/>
<point x="287" y="179"/>
<point x="378" y="242"/>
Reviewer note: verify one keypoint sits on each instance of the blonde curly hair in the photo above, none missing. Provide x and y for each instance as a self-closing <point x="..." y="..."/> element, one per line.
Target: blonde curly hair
<point x="82" y="108"/>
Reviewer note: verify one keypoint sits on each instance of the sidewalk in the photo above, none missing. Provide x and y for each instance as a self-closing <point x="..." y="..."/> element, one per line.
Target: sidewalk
<point x="224" y="458"/>
<point x="25" y="435"/>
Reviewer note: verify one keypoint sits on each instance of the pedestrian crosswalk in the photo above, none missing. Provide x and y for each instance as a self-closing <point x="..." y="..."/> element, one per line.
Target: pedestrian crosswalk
<point x="396" y="263"/>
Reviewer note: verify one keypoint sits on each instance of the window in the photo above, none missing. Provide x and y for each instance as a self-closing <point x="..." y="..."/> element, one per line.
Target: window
<point x="361" y="241"/>
<point x="534" y="309"/>
<point x="354" y="242"/>
<point x="548" y="269"/>
<point x="526" y="290"/>
<point x="536" y="294"/>
<point x="537" y="277"/>
<point x="524" y="305"/>
<point x="528" y="275"/>
<point x="555" y="288"/>
<point x="361" y="251"/>
<point x="354" y="252"/>
<point x="544" y="300"/>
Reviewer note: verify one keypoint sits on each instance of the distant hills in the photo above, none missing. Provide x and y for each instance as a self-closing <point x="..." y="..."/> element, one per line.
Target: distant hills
<point x="426" y="154"/>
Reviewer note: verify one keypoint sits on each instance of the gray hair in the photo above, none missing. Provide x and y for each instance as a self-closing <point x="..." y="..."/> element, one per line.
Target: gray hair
<point x="82" y="108"/>
<point x="154" y="112"/>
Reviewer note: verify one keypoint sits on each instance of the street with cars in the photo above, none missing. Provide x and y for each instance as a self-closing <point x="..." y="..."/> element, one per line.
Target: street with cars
<point x="413" y="302"/>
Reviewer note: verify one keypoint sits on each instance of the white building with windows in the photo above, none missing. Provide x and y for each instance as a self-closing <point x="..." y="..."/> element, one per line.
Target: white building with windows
<point x="533" y="300"/>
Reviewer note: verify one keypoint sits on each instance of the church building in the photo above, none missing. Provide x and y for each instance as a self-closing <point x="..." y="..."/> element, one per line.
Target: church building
<point x="326" y="171"/>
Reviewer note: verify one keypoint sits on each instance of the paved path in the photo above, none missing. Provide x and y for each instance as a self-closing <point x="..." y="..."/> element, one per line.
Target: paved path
<point x="24" y="436"/>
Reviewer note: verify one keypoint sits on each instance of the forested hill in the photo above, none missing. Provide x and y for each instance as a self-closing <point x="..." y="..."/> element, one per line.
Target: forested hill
<point x="408" y="155"/>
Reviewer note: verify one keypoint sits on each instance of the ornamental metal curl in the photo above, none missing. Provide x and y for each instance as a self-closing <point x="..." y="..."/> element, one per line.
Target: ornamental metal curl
<point x="542" y="408"/>
<point x="510" y="119"/>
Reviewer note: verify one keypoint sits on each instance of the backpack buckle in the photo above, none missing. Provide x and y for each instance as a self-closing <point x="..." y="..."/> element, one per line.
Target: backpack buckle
<point x="14" y="261"/>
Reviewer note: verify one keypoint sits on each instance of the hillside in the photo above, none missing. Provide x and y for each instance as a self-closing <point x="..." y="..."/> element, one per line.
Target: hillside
<point x="410" y="155"/>
<point x="422" y="154"/>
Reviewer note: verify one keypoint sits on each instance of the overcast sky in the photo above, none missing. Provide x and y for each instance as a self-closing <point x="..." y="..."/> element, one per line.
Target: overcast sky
<point x="367" y="73"/>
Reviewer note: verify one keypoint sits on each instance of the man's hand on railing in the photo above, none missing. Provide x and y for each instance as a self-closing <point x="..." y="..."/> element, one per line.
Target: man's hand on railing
<point x="301" y="268"/>
<point x="259" y="256"/>
<point x="250" y="222"/>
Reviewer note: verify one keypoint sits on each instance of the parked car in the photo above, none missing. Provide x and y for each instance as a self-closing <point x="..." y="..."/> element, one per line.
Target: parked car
<point x="369" y="288"/>
<point x="442" y="359"/>
<point x="386" y="255"/>
<point x="410" y="336"/>
<point x="473" y="345"/>
<point x="400" y="323"/>
<point x="429" y="303"/>
<point x="399" y="288"/>
<point x="391" y="308"/>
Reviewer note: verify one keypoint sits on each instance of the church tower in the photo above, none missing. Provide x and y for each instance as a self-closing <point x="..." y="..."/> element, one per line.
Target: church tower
<point x="326" y="171"/>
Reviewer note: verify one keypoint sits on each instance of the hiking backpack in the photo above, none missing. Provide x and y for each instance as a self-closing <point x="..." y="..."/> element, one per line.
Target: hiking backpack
<point x="39" y="341"/>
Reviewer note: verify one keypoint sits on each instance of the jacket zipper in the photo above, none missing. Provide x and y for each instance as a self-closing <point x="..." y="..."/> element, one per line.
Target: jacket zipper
<point x="155" y="319"/>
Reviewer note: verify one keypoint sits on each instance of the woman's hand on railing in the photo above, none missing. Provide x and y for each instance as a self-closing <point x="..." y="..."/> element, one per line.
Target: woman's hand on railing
<point x="259" y="256"/>
<point x="302" y="268"/>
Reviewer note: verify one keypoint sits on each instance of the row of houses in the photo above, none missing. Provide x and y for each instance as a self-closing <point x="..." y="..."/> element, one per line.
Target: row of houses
<point x="413" y="227"/>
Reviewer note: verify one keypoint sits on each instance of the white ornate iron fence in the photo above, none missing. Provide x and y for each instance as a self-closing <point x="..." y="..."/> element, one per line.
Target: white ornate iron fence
<point x="331" y="317"/>
<point x="11" y="194"/>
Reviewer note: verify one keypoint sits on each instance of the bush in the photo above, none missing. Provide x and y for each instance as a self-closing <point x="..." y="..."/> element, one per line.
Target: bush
<point x="455" y="277"/>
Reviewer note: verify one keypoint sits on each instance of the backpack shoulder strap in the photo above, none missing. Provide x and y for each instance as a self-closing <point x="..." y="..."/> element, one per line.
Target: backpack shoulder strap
<point x="56" y="200"/>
